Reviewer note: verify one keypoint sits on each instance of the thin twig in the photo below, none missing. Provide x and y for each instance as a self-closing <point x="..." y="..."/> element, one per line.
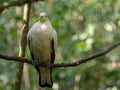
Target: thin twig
<point x="76" y="63"/>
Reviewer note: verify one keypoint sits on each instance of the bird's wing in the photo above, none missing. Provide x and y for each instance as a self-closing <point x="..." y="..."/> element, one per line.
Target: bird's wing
<point x="32" y="55"/>
<point x="53" y="46"/>
<point x="53" y="51"/>
<point x="30" y="47"/>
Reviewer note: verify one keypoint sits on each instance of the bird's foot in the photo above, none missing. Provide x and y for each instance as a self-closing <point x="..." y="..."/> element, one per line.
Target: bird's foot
<point x="47" y="64"/>
<point x="35" y="62"/>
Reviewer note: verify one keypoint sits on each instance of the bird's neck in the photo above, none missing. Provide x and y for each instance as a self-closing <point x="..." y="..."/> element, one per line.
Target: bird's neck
<point x="46" y="22"/>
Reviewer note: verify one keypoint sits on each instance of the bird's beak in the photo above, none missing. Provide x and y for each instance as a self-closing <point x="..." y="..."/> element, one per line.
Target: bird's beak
<point x="41" y="16"/>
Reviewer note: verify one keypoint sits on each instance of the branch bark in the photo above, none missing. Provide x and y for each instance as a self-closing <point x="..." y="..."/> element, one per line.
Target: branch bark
<point x="24" y="60"/>
<point x="22" y="45"/>
<point x="11" y="3"/>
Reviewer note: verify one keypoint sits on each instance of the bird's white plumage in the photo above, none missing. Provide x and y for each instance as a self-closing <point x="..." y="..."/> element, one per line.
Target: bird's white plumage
<point x="43" y="27"/>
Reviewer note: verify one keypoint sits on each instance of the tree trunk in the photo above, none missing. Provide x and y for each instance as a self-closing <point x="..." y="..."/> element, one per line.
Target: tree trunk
<point x="22" y="45"/>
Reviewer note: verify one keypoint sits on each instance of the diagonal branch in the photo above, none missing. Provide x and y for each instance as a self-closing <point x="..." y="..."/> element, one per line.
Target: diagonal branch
<point x="11" y="3"/>
<point x="24" y="60"/>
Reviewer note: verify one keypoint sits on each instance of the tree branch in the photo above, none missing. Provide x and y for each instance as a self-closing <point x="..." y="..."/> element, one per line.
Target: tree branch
<point x="76" y="63"/>
<point x="11" y="3"/>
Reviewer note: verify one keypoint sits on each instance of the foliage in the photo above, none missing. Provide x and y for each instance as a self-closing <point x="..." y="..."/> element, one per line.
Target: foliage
<point x="84" y="27"/>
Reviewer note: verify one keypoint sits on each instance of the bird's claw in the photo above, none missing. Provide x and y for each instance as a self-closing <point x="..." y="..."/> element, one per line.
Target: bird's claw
<point x="47" y="64"/>
<point x="35" y="62"/>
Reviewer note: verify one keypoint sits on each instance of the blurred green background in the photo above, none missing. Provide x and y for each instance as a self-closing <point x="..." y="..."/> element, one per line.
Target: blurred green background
<point x="84" y="28"/>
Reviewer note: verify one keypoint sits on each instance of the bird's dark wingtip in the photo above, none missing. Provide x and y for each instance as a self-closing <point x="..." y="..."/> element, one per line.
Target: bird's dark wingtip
<point x="45" y="85"/>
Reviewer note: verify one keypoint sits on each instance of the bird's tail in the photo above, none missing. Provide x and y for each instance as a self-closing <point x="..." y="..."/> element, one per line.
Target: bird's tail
<point x="45" y="77"/>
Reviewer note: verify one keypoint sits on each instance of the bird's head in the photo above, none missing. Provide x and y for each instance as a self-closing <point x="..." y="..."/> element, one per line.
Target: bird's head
<point x="43" y="17"/>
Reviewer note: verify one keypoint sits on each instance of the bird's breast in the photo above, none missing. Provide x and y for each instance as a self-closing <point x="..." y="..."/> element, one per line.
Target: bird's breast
<point x="42" y="44"/>
<point x="42" y="28"/>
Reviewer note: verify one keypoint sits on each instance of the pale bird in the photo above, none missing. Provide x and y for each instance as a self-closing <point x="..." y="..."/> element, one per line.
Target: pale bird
<point x="42" y="41"/>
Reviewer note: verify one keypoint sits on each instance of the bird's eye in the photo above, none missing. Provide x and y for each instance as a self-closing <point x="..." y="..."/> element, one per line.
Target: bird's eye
<point x="46" y="16"/>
